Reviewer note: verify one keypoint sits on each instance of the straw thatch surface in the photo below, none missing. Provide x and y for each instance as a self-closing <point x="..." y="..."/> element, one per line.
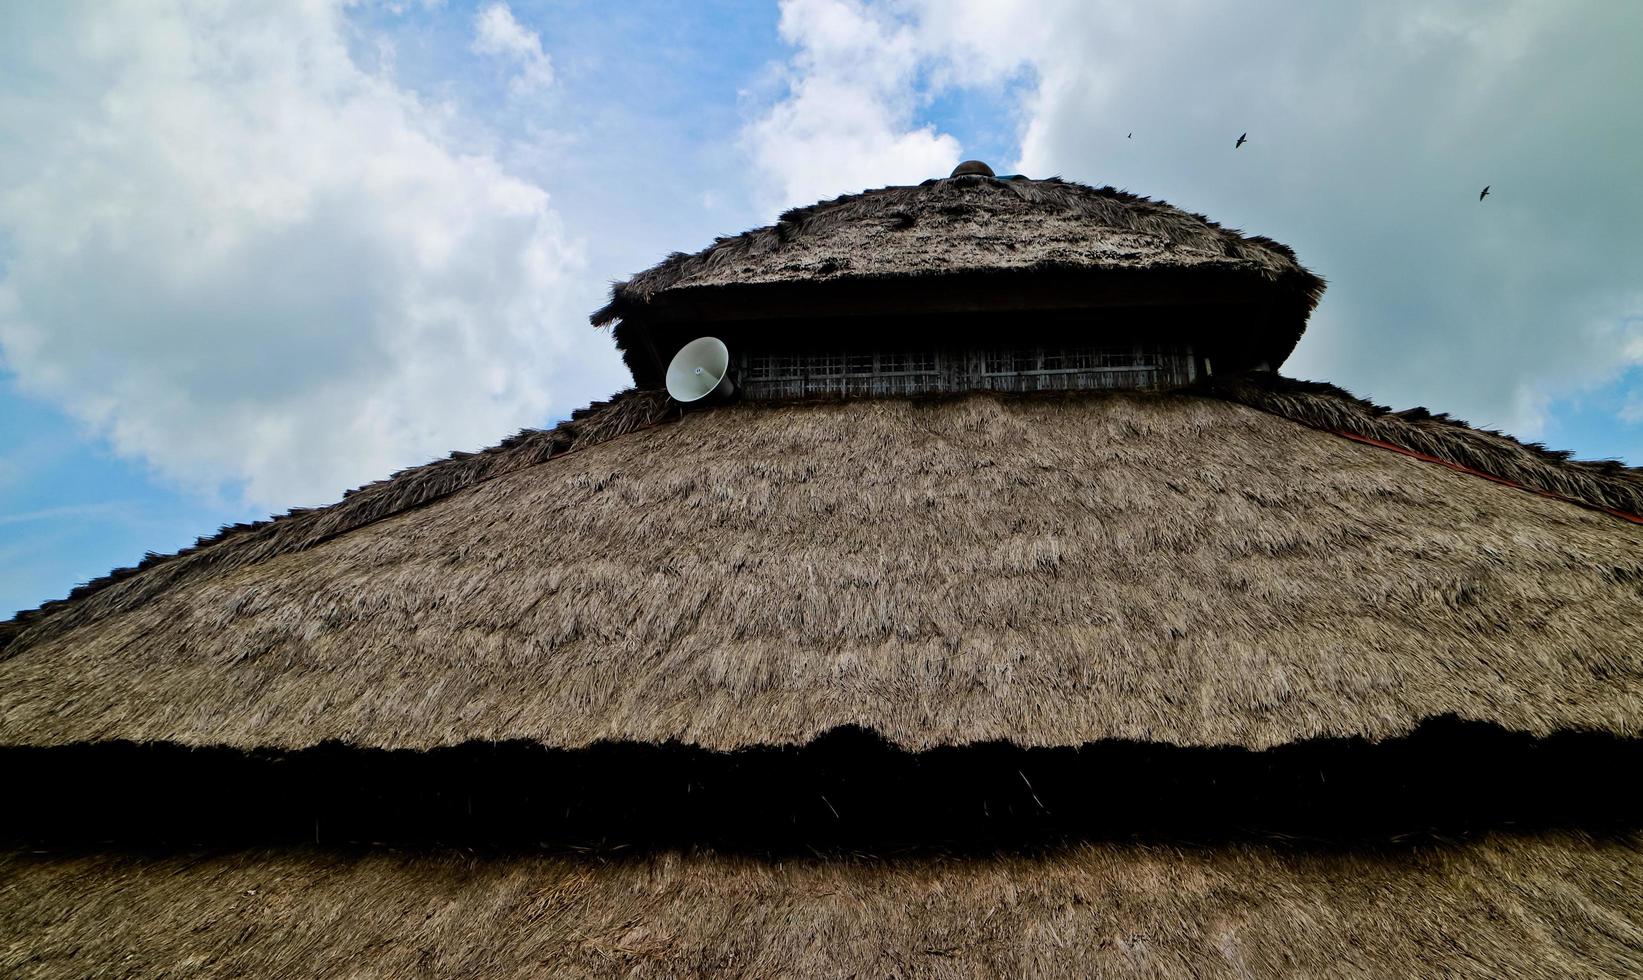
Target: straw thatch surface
<point x="964" y="225"/>
<point x="1546" y="906"/>
<point x="1045" y="571"/>
<point x="959" y="230"/>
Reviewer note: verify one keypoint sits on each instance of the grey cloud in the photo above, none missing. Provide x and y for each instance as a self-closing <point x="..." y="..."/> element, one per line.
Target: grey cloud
<point x="1372" y="130"/>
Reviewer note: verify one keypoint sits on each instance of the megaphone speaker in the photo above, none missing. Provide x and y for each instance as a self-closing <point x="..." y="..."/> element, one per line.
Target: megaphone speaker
<point x="700" y="372"/>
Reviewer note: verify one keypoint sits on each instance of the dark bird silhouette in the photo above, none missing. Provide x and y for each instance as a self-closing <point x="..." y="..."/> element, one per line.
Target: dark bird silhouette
<point x="1130" y="136"/>
<point x="1485" y="191"/>
<point x="1241" y="141"/>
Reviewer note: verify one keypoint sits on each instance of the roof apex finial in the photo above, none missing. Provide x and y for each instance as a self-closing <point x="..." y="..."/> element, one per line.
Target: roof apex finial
<point x="972" y="167"/>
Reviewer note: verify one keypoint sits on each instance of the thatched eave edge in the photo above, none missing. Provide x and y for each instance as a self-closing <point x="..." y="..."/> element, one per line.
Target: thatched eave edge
<point x="1601" y="484"/>
<point x="1253" y="741"/>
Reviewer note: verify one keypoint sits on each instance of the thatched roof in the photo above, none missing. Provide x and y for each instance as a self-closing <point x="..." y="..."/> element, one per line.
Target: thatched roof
<point x="995" y="237"/>
<point x="1243" y="679"/>
<point x="1555" y="906"/>
<point x="1173" y="568"/>
<point x="935" y="687"/>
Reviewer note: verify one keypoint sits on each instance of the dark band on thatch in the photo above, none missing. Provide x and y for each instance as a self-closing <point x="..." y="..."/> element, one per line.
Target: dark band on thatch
<point x="846" y="791"/>
<point x="1549" y="905"/>
<point x="961" y="228"/>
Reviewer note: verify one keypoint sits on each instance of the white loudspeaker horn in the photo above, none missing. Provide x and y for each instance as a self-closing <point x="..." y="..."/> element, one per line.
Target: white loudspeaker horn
<point x="700" y="371"/>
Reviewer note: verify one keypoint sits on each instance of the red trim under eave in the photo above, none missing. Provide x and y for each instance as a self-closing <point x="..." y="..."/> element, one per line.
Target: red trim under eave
<point x="1459" y="468"/>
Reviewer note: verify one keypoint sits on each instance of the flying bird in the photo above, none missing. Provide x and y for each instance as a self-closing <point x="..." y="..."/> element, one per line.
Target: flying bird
<point x="1241" y="141"/>
<point x="1485" y="191"/>
<point x="1130" y="136"/>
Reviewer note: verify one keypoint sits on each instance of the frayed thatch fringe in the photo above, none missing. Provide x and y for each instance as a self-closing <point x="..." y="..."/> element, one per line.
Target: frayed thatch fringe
<point x="1602" y="484"/>
<point x="1532" y="906"/>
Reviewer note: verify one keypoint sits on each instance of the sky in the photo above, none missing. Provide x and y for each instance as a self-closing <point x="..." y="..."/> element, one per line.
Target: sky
<point x="255" y="254"/>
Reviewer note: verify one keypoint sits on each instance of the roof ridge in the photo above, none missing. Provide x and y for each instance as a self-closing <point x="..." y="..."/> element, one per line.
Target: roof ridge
<point x="239" y="545"/>
<point x="1603" y="484"/>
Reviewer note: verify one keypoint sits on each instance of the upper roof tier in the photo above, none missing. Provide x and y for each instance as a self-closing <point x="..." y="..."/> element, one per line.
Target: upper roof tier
<point x="970" y="244"/>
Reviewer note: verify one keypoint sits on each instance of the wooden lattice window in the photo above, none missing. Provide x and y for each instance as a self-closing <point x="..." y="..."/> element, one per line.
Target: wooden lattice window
<point x="788" y="374"/>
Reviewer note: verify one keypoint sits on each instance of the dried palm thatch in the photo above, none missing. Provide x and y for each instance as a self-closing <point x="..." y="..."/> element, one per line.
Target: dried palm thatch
<point x="1172" y="568"/>
<point x="962" y="628"/>
<point x="950" y="232"/>
<point x="1558" y="905"/>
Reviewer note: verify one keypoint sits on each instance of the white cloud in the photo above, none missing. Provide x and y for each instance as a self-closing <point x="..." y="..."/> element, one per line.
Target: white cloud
<point x="845" y="121"/>
<point x="497" y="33"/>
<point x="241" y="258"/>
<point x="1632" y="411"/>
<point x="1372" y="129"/>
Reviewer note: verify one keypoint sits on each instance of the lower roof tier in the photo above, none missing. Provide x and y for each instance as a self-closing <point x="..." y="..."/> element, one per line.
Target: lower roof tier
<point x="1169" y="567"/>
<point x="1551" y="905"/>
